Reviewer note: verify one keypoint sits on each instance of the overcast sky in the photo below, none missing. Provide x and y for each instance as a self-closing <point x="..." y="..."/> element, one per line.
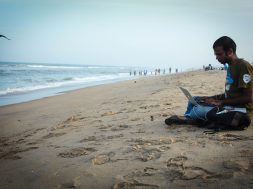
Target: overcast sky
<point x="156" y="33"/>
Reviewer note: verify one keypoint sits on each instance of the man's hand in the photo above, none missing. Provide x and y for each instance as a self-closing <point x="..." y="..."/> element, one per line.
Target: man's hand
<point x="212" y="101"/>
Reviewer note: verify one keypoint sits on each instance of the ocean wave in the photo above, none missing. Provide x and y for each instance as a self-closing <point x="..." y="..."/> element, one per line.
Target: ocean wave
<point x="27" y="89"/>
<point x="51" y="83"/>
<point x="51" y="80"/>
<point x="54" y="67"/>
<point x="102" y="67"/>
<point x="95" y="78"/>
<point x="68" y="79"/>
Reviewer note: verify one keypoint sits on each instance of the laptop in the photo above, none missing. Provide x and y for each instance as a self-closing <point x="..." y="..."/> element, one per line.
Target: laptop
<point x="188" y="96"/>
<point x="224" y="110"/>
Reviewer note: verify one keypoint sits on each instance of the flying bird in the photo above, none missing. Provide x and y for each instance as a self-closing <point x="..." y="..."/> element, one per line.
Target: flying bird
<point x="4" y="37"/>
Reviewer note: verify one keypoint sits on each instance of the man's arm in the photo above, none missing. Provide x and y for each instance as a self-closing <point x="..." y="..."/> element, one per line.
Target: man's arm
<point x="215" y="97"/>
<point x="219" y="96"/>
<point x="247" y="97"/>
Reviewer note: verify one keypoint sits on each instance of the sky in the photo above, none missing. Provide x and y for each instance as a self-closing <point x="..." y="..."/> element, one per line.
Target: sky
<point x="147" y="33"/>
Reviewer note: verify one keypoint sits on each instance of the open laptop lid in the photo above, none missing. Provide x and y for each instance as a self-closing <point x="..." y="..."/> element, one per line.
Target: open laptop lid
<point x="188" y="96"/>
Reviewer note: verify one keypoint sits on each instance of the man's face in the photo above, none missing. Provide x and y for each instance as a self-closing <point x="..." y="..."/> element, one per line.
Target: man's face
<point x="221" y="55"/>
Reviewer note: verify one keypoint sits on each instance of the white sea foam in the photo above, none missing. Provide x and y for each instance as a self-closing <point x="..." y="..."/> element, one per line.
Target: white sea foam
<point x="27" y="89"/>
<point x="65" y="82"/>
<point x="20" y="82"/>
<point x="54" y="67"/>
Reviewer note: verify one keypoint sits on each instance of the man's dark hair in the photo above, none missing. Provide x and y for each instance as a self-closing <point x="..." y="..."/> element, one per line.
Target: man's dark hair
<point x="225" y="42"/>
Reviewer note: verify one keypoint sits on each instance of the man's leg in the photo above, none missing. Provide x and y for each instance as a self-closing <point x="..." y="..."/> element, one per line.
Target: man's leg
<point x="186" y="119"/>
<point x="194" y="115"/>
<point x="231" y="120"/>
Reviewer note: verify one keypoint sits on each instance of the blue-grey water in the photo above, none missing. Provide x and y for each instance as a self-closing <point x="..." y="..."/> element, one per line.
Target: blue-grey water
<point x="21" y="82"/>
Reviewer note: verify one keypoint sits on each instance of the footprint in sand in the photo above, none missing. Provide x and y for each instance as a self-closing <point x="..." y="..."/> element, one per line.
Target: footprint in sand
<point x="176" y="162"/>
<point x="115" y="136"/>
<point x="32" y="132"/>
<point x="3" y="141"/>
<point x="104" y="127"/>
<point x="110" y="113"/>
<point x="134" y="185"/>
<point x="243" y="165"/>
<point x="102" y="158"/>
<point x="173" y="174"/>
<point x="93" y="138"/>
<point x="135" y="119"/>
<point x="167" y="104"/>
<point x="149" y="154"/>
<point x="140" y="141"/>
<point x="68" y="185"/>
<point x="67" y="122"/>
<point x="232" y="137"/>
<point x="178" y="170"/>
<point x="139" y="131"/>
<point x="154" y="106"/>
<point x="20" y="141"/>
<point x="34" y="142"/>
<point x="192" y="172"/>
<point x="143" y="107"/>
<point x="131" y="110"/>
<point x="73" y="119"/>
<point x="147" y="171"/>
<point x="12" y="153"/>
<point x="76" y="152"/>
<point x="146" y="148"/>
<point x="50" y="135"/>
<point x="59" y="126"/>
<point x="120" y="128"/>
<point x="75" y="183"/>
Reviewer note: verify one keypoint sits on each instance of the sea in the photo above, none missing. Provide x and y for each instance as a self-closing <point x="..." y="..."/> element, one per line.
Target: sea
<point x="22" y="82"/>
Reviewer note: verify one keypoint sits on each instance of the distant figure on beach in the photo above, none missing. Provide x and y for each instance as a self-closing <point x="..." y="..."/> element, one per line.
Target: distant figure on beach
<point x="170" y="69"/>
<point x="4" y="37"/>
<point x="234" y="108"/>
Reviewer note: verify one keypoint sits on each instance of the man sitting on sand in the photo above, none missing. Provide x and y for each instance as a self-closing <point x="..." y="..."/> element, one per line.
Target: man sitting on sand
<point x="234" y="108"/>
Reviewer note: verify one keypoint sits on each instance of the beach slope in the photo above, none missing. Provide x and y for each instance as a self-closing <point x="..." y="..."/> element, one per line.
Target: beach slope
<point x="114" y="136"/>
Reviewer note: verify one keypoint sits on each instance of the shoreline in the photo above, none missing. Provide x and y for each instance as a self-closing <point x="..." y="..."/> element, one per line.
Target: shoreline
<point x="114" y="136"/>
<point x="29" y="96"/>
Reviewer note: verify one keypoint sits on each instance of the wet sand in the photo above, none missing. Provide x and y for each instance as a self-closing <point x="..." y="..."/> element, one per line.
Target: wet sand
<point x="114" y="136"/>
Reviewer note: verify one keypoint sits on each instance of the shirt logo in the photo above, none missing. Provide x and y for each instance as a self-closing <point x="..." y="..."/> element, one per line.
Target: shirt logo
<point x="229" y="79"/>
<point x="246" y="78"/>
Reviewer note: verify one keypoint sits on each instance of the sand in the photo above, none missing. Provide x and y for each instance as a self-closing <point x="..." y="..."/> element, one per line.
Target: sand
<point x="114" y="136"/>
